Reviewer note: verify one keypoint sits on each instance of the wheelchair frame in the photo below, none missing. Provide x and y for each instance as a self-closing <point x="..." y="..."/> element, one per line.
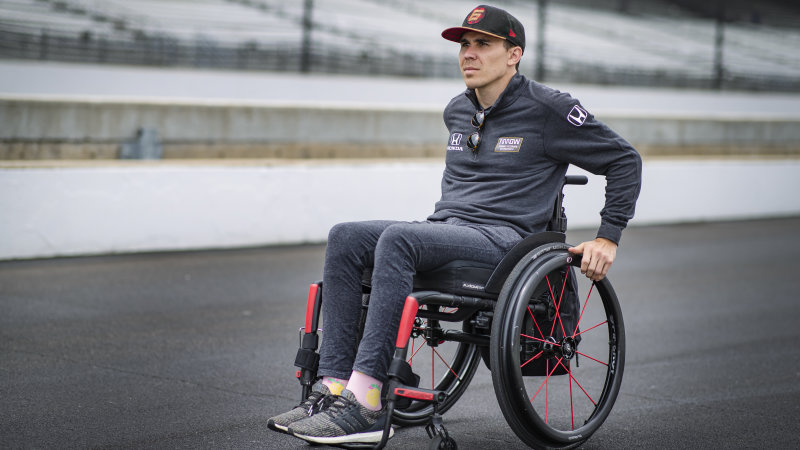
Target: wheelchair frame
<point x="502" y="309"/>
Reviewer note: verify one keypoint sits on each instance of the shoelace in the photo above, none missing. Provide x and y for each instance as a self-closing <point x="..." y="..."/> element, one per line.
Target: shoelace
<point x="312" y="399"/>
<point x="321" y="404"/>
<point x="337" y="404"/>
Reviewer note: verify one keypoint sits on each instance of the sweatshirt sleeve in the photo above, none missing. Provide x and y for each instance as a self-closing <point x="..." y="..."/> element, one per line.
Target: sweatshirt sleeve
<point x="572" y="135"/>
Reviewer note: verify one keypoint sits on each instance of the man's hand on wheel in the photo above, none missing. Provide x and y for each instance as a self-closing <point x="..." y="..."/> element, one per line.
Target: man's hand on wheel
<point x="598" y="255"/>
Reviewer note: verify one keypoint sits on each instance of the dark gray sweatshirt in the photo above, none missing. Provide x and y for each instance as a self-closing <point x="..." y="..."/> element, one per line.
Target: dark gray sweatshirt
<point x="529" y="137"/>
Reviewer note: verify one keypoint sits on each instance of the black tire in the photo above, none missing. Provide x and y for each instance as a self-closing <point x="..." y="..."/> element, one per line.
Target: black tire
<point x="449" y="368"/>
<point x="440" y="442"/>
<point x="544" y="409"/>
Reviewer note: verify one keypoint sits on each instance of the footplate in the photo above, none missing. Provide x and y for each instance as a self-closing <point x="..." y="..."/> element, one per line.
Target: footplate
<point x="421" y="394"/>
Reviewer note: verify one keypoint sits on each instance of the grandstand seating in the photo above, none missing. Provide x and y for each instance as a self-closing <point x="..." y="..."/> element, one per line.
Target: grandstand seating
<point x="37" y="15"/>
<point x="653" y="37"/>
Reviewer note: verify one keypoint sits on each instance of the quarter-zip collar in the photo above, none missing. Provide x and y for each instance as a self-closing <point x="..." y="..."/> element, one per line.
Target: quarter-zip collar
<point x="506" y="98"/>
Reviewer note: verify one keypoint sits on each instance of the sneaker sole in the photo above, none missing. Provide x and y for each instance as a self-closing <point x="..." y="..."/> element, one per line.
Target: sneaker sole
<point x="274" y="426"/>
<point x="372" y="437"/>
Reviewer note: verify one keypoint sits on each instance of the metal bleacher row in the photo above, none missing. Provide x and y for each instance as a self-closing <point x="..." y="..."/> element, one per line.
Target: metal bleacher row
<point x="401" y="36"/>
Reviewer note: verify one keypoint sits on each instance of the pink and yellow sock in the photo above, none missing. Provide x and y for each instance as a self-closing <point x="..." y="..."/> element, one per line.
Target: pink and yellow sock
<point x="335" y="385"/>
<point x="366" y="389"/>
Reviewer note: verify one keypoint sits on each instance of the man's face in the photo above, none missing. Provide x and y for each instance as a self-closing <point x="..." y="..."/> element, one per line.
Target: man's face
<point x="484" y="59"/>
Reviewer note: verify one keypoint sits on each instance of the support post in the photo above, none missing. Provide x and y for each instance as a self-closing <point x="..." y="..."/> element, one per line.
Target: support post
<point x="540" y="45"/>
<point x="719" y="43"/>
<point x="305" y="51"/>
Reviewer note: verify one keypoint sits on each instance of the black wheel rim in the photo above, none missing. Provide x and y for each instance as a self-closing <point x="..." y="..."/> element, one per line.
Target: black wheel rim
<point x="566" y="408"/>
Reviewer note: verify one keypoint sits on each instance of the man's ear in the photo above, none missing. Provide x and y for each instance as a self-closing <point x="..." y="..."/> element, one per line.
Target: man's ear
<point x="515" y="54"/>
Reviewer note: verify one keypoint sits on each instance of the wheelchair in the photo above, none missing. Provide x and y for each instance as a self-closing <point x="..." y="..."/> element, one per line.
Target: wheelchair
<point x="554" y="342"/>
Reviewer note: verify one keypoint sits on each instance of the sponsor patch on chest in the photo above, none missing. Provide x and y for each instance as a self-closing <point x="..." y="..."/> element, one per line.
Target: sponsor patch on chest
<point x="456" y="144"/>
<point x="508" y="144"/>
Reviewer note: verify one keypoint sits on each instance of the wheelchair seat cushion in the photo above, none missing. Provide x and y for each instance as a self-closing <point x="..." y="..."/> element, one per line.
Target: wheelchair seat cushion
<point x="473" y="278"/>
<point x="478" y="279"/>
<point x="460" y="277"/>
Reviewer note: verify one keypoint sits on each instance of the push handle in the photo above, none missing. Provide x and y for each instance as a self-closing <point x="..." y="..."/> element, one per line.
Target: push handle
<point x="558" y="220"/>
<point x="576" y="179"/>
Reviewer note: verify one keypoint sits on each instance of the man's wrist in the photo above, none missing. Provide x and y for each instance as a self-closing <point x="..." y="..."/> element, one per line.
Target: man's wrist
<point x="609" y="232"/>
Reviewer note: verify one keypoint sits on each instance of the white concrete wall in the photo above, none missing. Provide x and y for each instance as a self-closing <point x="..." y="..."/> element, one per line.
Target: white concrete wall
<point x="117" y="208"/>
<point x="69" y="121"/>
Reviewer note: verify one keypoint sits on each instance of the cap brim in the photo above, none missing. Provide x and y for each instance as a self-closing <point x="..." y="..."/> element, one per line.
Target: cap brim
<point x="454" y="34"/>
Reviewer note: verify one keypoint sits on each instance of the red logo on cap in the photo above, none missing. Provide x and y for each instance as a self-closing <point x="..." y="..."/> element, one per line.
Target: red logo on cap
<point x="476" y="16"/>
<point x="511" y="33"/>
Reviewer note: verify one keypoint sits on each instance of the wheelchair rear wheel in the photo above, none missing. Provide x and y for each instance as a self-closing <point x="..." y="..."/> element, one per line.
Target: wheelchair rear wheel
<point x="556" y="383"/>
<point x="442" y="364"/>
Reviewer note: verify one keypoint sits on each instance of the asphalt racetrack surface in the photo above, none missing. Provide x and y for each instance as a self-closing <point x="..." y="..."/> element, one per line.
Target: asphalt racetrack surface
<point x="195" y="350"/>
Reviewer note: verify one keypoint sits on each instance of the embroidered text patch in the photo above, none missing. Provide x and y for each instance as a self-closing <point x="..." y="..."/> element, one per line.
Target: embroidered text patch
<point x="508" y="144"/>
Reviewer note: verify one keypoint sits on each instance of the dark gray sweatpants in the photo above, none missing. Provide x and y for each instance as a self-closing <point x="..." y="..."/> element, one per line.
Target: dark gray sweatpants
<point x="396" y="251"/>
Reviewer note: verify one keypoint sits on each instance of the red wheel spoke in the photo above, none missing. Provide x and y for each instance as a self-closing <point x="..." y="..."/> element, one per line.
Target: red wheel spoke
<point x="447" y="365"/>
<point x="556" y="303"/>
<point x="547" y="391"/>
<point x="414" y="353"/>
<point x="571" y="408"/>
<point x="585" y="304"/>
<point x="413" y="341"/>
<point x="593" y="359"/>
<point x="552" y="296"/>
<point x="433" y="373"/>
<point x="415" y="349"/>
<point x="584" y="390"/>
<point x="549" y="373"/>
<point x="543" y="353"/>
<point x="560" y="300"/>
<point x="589" y="329"/>
<point x="572" y="378"/>
<point x="534" y="321"/>
<point x="535" y="357"/>
<point x="555" y="344"/>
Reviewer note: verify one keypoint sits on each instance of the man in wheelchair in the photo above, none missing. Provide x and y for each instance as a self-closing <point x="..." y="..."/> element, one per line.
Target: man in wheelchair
<point x="511" y="141"/>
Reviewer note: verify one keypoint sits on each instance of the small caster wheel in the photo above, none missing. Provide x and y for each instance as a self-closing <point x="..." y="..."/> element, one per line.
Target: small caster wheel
<point x="443" y="443"/>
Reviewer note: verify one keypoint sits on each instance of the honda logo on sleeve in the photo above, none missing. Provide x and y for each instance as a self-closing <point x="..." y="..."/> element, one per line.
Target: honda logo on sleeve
<point x="577" y="116"/>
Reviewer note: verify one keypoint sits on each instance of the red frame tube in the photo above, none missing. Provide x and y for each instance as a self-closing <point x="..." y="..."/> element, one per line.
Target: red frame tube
<point x="312" y="299"/>
<point x="407" y="321"/>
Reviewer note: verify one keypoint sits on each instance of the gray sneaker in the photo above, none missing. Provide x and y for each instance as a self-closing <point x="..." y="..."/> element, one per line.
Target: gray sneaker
<point x="319" y="399"/>
<point x="345" y="422"/>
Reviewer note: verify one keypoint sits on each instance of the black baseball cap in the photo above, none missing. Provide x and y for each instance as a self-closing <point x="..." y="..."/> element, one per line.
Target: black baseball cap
<point x="492" y="21"/>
